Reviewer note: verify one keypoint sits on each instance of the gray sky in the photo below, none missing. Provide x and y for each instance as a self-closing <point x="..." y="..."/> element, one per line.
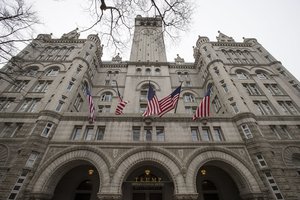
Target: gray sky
<point x="274" y="23"/>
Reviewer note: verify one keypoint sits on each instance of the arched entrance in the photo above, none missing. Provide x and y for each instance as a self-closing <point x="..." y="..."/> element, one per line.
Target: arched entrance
<point x="214" y="183"/>
<point x="79" y="183"/>
<point x="148" y="182"/>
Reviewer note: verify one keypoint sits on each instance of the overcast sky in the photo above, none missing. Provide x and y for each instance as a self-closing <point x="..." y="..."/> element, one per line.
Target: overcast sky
<point x="274" y="23"/>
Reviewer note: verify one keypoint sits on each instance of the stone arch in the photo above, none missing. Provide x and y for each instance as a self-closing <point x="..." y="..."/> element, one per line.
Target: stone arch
<point x="3" y="154"/>
<point x="142" y="83"/>
<point x="254" y="70"/>
<point x="287" y="155"/>
<point x="140" y="155"/>
<point x="57" y="166"/>
<point x="240" y="171"/>
<point x="60" y="66"/>
<point x="233" y="70"/>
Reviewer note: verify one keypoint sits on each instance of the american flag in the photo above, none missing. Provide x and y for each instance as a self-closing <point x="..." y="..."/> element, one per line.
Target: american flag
<point x="169" y="102"/>
<point x="203" y="108"/>
<point x="121" y="105"/>
<point x="153" y="105"/>
<point x="91" y="105"/>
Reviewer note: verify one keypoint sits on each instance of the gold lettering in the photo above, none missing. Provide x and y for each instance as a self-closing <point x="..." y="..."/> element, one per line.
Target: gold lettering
<point x="153" y="179"/>
<point x="142" y="180"/>
<point x="136" y="179"/>
<point x="147" y="179"/>
<point x="159" y="179"/>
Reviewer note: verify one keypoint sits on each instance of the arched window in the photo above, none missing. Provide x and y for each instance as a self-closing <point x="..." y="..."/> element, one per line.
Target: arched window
<point x="31" y="71"/>
<point x="188" y="98"/>
<point x="148" y="71"/>
<point x="144" y="92"/>
<point x="179" y="74"/>
<point x="241" y="75"/>
<point x="109" y="73"/>
<point x="157" y="71"/>
<point x="262" y="75"/>
<point x="106" y="96"/>
<point x="296" y="159"/>
<point x="186" y="74"/>
<point x="52" y="71"/>
<point x="138" y="71"/>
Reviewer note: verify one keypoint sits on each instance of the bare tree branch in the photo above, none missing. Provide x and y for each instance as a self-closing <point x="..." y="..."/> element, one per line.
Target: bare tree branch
<point x="113" y="18"/>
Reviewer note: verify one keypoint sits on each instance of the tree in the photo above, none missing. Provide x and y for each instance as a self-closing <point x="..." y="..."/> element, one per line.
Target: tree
<point x="16" y="26"/>
<point x="115" y="19"/>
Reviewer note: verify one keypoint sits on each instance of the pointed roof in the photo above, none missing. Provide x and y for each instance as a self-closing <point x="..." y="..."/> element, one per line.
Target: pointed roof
<point x="224" y="38"/>
<point x="71" y="35"/>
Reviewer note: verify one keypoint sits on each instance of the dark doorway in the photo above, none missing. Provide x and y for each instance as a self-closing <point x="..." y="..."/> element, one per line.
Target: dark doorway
<point x="79" y="183"/>
<point x="214" y="183"/>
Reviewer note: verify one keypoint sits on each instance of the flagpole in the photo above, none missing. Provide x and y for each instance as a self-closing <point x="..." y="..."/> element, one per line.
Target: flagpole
<point x="178" y="97"/>
<point x="118" y="91"/>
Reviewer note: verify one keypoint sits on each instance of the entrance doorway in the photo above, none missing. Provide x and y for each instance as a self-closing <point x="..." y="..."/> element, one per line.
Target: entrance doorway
<point x="79" y="183"/>
<point x="214" y="183"/>
<point x="147" y="182"/>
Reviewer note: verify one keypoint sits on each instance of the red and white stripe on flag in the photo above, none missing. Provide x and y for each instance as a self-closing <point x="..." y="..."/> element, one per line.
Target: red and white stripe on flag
<point x="91" y="106"/>
<point x="203" y="108"/>
<point x="120" y="107"/>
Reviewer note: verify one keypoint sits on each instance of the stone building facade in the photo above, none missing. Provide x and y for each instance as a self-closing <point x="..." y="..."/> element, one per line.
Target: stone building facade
<point x="248" y="149"/>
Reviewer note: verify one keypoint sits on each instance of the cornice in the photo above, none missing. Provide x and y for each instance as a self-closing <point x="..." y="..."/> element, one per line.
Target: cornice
<point x="235" y="44"/>
<point x="65" y="41"/>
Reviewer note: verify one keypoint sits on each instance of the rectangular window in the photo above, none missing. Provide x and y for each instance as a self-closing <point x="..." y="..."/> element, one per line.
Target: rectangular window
<point x="76" y="135"/>
<point x="190" y="109"/>
<point x="285" y="132"/>
<point x="195" y="134"/>
<point x="246" y="131"/>
<point x="104" y="108"/>
<point x="287" y="107"/>
<point x="18" y="86"/>
<point x="218" y="135"/>
<point x="273" y="186"/>
<point x="47" y="130"/>
<point x="70" y="86"/>
<point x="205" y="134"/>
<point x="107" y="82"/>
<point x="29" y="105"/>
<point x="148" y="133"/>
<point x="274" y="131"/>
<point x="216" y="103"/>
<point x="100" y="132"/>
<point x="251" y="89"/>
<point x="160" y="134"/>
<point x="59" y="106"/>
<point x="5" y="104"/>
<point x="263" y="108"/>
<point x="143" y="108"/>
<point x="18" y="185"/>
<point x="89" y="133"/>
<point x="225" y="88"/>
<point x="261" y="161"/>
<point x="136" y="133"/>
<point x="31" y="160"/>
<point x="274" y="89"/>
<point x="235" y="108"/>
<point x="78" y="102"/>
<point x="42" y="86"/>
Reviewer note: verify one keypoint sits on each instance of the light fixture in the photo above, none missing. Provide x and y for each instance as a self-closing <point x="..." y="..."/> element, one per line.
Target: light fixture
<point x="147" y="172"/>
<point x="91" y="172"/>
<point x="203" y="172"/>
